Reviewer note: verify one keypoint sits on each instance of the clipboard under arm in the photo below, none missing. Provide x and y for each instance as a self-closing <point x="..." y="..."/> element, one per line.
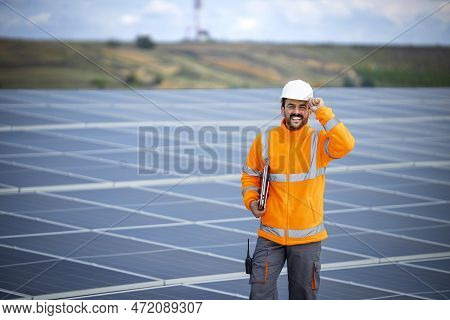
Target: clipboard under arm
<point x="264" y="188"/>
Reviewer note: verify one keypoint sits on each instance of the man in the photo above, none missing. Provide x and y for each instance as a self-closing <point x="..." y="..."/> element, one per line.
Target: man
<point x="292" y="223"/>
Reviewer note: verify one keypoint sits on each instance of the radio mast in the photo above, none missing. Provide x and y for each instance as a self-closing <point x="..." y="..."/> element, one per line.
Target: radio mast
<point x="200" y="33"/>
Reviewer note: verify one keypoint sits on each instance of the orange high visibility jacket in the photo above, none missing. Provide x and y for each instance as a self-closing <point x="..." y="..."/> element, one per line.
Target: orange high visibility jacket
<point x="297" y="160"/>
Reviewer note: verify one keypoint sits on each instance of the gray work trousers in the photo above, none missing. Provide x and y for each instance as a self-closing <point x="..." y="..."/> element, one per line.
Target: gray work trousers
<point x="303" y="262"/>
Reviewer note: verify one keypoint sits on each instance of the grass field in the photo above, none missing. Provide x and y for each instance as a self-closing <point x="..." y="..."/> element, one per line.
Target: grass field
<point x="47" y="64"/>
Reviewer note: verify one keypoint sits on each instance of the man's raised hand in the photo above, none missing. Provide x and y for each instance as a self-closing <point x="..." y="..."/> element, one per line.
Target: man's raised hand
<point x="315" y="103"/>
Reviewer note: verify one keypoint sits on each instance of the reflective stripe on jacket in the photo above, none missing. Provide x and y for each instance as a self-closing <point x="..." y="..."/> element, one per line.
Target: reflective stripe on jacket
<point x="297" y="160"/>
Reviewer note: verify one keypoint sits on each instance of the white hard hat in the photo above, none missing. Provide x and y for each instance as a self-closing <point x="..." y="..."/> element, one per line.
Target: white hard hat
<point x="297" y="90"/>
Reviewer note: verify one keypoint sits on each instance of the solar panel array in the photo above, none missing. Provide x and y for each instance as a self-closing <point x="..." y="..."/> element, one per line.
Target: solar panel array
<point x="79" y="220"/>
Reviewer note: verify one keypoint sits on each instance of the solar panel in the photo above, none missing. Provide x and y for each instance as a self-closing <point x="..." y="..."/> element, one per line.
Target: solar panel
<point x="168" y="293"/>
<point x="80" y="218"/>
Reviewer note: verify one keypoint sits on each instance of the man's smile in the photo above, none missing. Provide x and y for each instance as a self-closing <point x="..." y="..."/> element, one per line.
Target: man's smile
<point x="296" y="118"/>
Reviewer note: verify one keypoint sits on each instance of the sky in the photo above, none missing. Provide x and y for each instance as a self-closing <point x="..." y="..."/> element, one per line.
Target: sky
<point x="285" y="21"/>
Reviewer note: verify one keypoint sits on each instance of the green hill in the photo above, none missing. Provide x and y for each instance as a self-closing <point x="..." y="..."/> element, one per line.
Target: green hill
<point x="48" y="64"/>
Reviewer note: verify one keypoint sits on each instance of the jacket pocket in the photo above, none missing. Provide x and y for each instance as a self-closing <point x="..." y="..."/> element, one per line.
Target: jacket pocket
<point x="315" y="283"/>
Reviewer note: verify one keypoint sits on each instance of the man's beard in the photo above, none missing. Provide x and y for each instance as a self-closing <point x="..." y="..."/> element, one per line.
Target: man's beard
<point x="295" y="126"/>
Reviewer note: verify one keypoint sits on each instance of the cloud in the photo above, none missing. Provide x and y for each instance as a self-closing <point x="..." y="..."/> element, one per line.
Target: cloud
<point x="402" y="12"/>
<point x="155" y="7"/>
<point x="327" y="20"/>
<point x="294" y="12"/>
<point x="349" y="21"/>
<point x="41" y="18"/>
<point x="444" y="14"/>
<point x="11" y="20"/>
<point x="129" y="19"/>
<point x="309" y="12"/>
<point x="162" y="7"/>
<point x="247" y="24"/>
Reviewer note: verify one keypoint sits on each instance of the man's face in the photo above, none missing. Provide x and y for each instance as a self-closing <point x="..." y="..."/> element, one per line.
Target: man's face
<point x="296" y="113"/>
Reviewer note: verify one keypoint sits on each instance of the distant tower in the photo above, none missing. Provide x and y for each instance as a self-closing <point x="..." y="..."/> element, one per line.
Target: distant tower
<point x="200" y="33"/>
